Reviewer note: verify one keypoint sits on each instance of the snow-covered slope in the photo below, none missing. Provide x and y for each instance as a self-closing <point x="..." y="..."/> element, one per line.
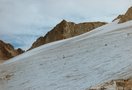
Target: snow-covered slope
<point x="73" y="64"/>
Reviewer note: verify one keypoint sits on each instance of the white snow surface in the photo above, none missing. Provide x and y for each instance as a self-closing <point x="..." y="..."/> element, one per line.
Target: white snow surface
<point x="73" y="64"/>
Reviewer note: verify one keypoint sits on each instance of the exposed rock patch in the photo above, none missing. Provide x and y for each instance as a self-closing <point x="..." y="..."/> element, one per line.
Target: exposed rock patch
<point x="120" y="84"/>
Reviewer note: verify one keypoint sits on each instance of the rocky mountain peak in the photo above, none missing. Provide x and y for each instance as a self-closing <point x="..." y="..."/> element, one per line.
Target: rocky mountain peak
<point x="65" y="30"/>
<point x="63" y="21"/>
<point x="126" y="17"/>
<point x="7" y="51"/>
<point x="129" y="11"/>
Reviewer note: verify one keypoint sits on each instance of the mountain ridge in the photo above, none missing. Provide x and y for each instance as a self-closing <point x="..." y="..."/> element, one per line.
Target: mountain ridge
<point x="126" y="17"/>
<point x="65" y="30"/>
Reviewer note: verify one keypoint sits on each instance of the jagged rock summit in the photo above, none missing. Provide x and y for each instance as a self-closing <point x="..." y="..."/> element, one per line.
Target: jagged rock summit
<point x="7" y="51"/>
<point x="65" y="30"/>
<point x="126" y="17"/>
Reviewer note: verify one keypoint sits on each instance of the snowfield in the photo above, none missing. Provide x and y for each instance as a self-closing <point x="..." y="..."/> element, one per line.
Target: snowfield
<point x="73" y="64"/>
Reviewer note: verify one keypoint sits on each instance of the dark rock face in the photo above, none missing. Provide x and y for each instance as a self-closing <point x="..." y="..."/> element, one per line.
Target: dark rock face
<point x="66" y="30"/>
<point x="126" y="17"/>
<point x="7" y="51"/>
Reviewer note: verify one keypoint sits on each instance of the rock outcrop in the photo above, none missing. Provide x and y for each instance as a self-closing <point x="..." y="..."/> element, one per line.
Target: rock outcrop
<point x="120" y="84"/>
<point x="126" y="17"/>
<point x="66" y="30"/>
<point x="7" y="51"/>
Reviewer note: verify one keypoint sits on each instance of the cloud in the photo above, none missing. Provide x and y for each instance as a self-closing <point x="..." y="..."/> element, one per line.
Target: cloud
<point x="30" y="19"/>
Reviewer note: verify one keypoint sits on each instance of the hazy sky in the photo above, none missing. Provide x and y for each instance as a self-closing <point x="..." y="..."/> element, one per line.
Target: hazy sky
<point x="23" y="21"/>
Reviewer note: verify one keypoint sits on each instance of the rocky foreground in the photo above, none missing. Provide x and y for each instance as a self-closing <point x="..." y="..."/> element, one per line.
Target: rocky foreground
<point x="120" y="84"/>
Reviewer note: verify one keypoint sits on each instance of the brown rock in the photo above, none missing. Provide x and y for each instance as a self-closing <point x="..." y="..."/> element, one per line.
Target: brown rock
<point x="66" y="30"/>
<point x="7" y="51"/>
<point x="126" y="17"/>
<point x="120" y="84"/>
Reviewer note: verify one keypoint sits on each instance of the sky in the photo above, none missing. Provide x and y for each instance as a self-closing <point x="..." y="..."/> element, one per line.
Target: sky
<point x="23" y="21"/>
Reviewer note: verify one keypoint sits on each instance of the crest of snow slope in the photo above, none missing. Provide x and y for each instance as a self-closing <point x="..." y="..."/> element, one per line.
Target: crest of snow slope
<point x="73" y="64"/>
